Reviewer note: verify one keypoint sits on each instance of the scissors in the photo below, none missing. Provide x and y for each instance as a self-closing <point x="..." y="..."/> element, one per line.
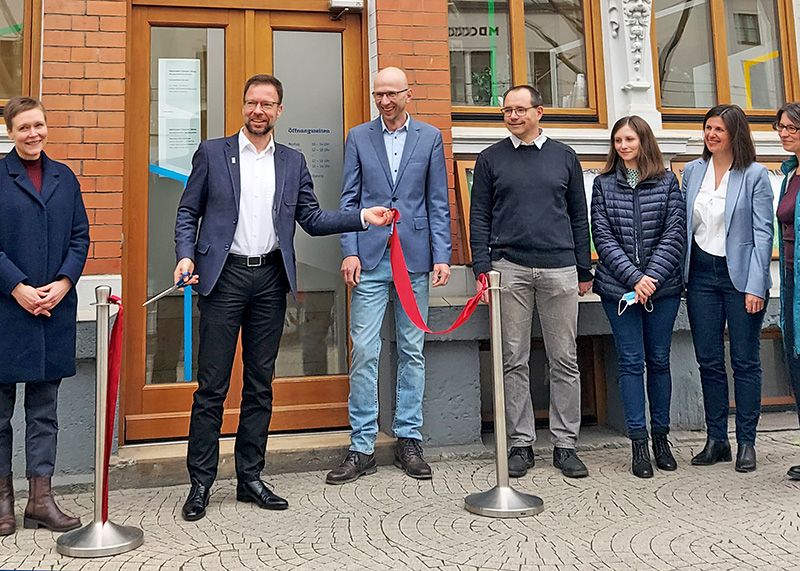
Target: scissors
<point x="181" y="283"/>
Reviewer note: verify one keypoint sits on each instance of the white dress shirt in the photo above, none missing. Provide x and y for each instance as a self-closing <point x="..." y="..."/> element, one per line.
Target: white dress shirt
<point x="255" y="230"/>
<point x="709" y="213"/>
<point x="395" y="142"/>
<point x="538" y="141"/>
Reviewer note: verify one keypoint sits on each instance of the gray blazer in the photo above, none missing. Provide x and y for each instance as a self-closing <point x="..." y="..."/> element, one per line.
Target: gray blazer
<point x="748" y="224"/>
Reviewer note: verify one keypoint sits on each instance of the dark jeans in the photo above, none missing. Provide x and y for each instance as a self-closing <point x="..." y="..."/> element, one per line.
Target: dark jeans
<point x="41" y="427"/>
<point x="253" y="300"/>
<point x="641" y="338"/>
<point x="792" y="360"/>
<point x="712" y="301"/>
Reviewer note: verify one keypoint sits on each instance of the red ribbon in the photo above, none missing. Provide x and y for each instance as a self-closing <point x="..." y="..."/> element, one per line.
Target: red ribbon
<point x="114" y="365"/>
<point x="405" y="293"/>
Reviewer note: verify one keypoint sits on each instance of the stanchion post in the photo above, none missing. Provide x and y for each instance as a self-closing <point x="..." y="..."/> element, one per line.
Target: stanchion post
<point x="99" y="538"/>
<point x="502" y="500"/>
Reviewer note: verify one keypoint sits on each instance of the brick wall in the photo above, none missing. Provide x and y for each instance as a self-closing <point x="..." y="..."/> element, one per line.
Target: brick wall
<point x="412" y="35"/>
<point x="83" y="89"/>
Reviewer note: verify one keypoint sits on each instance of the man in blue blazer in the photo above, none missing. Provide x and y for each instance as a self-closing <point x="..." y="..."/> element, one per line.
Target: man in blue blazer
<point x="234" y="239"/>
<point x="392" y="161"/>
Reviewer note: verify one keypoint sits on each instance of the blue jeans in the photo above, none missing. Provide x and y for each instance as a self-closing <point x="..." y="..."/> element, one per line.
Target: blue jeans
<point x="792" y="360"/>
<point x="644" y="337"/>
<point x="367" y="307"/>
<point x="712" y="301"/>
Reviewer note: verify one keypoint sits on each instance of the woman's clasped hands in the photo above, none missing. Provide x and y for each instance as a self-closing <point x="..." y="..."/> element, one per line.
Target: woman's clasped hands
<point x="41" y="300"/>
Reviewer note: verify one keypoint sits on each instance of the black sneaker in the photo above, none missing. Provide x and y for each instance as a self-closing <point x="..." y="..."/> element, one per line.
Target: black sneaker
<point x="566" y="460"/>
<point x="408" y="457"/>
<point x="520" y="459"/>
<point x="355" y="465"/>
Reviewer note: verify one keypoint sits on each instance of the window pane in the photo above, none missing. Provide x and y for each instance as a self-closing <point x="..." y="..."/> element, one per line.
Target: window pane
<point x="554" y="40"/>
<point x="685" y="53"/>
<point x="754" y="54"/>
<point x="11" y="49"/>
<point x="480" y="61"/>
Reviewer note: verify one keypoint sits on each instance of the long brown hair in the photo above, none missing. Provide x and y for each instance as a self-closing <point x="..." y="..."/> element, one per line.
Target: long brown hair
<point x="650" y="161"/>
<point x="742" y="146"/>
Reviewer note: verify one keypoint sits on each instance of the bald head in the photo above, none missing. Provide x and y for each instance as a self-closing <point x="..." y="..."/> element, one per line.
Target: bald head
<point x="392" y="94"/>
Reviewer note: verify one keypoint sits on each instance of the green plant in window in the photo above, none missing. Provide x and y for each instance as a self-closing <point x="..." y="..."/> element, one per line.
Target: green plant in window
<point x="482" y="86"/>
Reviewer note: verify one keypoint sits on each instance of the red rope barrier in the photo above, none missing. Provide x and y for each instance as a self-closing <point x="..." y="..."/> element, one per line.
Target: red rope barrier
<point x="405" y="293"/>
<point x="114" y="365"/>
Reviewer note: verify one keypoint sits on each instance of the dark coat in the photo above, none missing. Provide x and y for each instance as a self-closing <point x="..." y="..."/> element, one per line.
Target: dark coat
<point x="212" y="195"/>
<point x="638" y="232"/>
<point x="43" y="237"/>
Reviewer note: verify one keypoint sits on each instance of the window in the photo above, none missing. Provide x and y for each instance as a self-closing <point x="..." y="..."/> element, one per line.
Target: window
<point x="495" y="44"/>
<point x="19" y="48"/>
<point x="711" y="52"/>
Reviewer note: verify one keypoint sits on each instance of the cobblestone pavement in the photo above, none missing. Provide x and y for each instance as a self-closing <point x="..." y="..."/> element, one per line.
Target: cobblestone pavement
<point x="696" y="518"/>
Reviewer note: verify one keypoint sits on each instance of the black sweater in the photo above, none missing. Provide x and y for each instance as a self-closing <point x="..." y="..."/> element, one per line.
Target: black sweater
<point x="528" y="206"/>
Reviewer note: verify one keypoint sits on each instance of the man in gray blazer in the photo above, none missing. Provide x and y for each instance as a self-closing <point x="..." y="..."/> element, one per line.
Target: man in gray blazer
<point x="234" y="238"/>
<point x="393" y="161"/>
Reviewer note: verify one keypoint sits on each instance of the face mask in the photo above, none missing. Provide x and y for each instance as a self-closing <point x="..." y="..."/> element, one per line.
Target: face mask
<point x="629" y="299"/>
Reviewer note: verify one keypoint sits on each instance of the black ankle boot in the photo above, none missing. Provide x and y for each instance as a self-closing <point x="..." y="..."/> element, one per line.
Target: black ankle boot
<point x="662" y="454"/>
<point x="640" y="459"/>
<point x="713" y="452"/>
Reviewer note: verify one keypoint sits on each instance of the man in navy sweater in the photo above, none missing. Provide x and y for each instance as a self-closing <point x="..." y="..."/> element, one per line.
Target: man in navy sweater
<point x="528" y="220"/>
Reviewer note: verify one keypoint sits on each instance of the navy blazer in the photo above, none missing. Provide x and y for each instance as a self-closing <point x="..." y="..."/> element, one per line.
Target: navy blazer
<point x="43" y="237"/>
<point x="212" y="195"/>
<point x="748" y="224"/>
<point x="419" y="193"/>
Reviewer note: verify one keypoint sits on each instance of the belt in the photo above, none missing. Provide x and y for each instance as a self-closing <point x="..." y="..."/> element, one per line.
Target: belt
<point x="254" y="261"/>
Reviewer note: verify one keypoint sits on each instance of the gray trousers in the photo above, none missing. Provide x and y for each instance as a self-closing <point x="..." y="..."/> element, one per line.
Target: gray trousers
<point x="41" y="427"/>
<point x="553" y="292"/>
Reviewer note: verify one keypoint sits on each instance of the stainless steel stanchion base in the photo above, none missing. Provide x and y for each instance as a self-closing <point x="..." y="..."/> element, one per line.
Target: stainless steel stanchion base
<point x="503" y="501"/>
<point x="99" y="540"/>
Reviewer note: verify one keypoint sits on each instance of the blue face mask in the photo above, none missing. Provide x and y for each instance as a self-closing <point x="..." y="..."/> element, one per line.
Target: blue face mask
<point x="629" y="299"/>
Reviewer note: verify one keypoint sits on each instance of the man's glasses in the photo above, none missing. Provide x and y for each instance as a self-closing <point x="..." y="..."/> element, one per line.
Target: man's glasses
<point x="518" y="111"/>
<point x="791" y="129"/>
<point x="265" y="105"/>
<point x="392" y="95"/>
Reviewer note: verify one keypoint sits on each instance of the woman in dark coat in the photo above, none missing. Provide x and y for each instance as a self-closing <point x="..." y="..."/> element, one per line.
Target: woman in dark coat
<point x="639" y="232"/>
<point x="44" y="240"/>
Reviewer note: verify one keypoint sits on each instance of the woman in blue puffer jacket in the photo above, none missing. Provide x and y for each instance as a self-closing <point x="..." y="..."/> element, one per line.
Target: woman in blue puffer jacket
<point x="639" y="232"/>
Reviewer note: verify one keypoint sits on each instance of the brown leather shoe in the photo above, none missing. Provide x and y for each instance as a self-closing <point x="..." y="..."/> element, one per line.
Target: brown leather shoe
<point x="42" y="510"/>
<point x="8" y="523"/>
<point x="408" y="457"/>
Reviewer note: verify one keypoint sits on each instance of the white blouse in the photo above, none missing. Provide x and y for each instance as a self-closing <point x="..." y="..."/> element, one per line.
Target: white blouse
<point x="708" y="218"/>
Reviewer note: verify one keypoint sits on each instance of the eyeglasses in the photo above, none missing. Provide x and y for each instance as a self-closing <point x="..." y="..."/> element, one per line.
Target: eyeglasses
<point x="265" y="105"/>
<point x="392" y="95"/>
<point x="791" y="129"/>
<point x="519" y="111"/>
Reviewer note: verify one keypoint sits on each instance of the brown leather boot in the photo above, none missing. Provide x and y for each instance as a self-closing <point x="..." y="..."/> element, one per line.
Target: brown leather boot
<point x="8" y="523"/>
<point x="42" y="510"/>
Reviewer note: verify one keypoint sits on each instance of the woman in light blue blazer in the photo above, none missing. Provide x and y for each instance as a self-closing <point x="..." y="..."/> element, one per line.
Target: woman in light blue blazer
<point x="729" y="224"/>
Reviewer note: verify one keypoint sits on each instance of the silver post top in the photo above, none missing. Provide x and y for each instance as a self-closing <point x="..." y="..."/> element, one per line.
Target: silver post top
<point x="494" y="278"/>
<point x="101" y="293"/>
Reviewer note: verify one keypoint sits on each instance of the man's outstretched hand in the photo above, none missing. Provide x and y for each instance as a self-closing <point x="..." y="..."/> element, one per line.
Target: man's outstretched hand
<point x="378" y="216"/>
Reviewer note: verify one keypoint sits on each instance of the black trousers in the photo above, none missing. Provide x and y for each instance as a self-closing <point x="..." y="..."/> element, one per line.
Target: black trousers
<point x="41" y="427"/>
<point x="253" y="300"/>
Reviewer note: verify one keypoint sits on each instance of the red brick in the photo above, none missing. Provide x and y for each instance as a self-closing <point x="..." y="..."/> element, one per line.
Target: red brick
<point x="105" y="70"/>
<point x="51" y="53"/>
<point x="112" y="55"/>
<point x="64" y="7"/>
<point x="55" y="86"/>
<point x="85" y="54"/>
<point x="103" y="200"/>
<point x="105" y="233"/>
<point x="425" y="62"/>
<point x="104" y="168"/>
<point x="106" y="8"/>
<point x="63" y="102"/>
<point x="395" y="46"/>
<point x="436" y="77"/>
<point x="55" y="150"/>
<point x="64" y="39"/>
<point x="103" y="266"/>
<point x="111" y="119"/>
<point x="108" y="217"/>
<point x="83" y="86"/>
<point x="109" y="183"/>
<point x="83" y="119"/>
<point x="88" y="184"/>
<point x="104" y="102"/>
<point x="80" y="151"/>
<point x="111" y="151"/>
<point x="57" y="22"/>
<point x="105" y="39"/>
<point x="111" y="87"/>
<point x="432" y="49"/>
<point x="74" y="165"/>
<point x="107" y="249"/>
<point x="112" y="24"/>
<point x="57" y="118"/>
<point x="86" y="23"/>
<point x="54" y="69"/>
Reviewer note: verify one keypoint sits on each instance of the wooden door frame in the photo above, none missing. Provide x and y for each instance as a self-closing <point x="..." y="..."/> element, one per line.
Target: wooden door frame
<point x="162" y="411"/>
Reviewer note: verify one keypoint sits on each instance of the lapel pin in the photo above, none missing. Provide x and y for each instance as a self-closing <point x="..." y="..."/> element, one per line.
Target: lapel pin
<point x="233" y="160"/>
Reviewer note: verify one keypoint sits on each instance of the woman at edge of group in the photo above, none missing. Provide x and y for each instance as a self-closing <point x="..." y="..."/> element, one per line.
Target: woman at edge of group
<point x="639" y="232"/>
<point x="787" y="124"/>
<point x="730" y="227"/>
<point x="44" y="240"/>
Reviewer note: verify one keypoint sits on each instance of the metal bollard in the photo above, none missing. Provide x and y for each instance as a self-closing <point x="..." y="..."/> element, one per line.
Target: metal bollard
<point x="98" y="538"/>
<point x="502" y="500"/>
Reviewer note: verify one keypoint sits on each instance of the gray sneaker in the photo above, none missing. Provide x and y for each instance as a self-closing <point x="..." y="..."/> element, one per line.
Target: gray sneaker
<point x="520" y="459"/>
